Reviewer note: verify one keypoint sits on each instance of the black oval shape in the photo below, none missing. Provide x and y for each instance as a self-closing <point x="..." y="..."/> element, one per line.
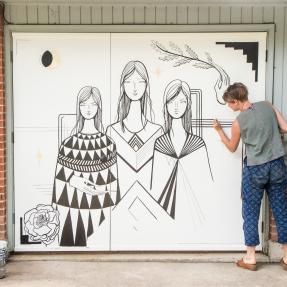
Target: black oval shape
<point x="47" y="59"/>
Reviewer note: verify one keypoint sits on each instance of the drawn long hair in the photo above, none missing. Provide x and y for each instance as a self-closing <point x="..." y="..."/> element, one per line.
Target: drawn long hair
<point x="171" y="91"/>
<point x="84" y="94"/>
<point x="125" y="102"/>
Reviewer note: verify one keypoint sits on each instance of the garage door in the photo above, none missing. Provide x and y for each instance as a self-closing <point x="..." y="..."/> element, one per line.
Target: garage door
<point x="114" y="147"/>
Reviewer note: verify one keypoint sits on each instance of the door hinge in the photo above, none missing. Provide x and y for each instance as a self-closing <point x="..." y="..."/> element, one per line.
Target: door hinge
<point x="12" y="137"/>
<point x="262" y="227"/>
<point x="13" y="218"/>
<point x="266" y="56"/>
<point x="11" y="56"/>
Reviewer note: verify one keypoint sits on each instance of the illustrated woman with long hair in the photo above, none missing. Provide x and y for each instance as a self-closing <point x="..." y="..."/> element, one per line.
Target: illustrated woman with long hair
<point x="134" y="132"/>
<point x="180" y="163"/>
<point x="86" y="181"/>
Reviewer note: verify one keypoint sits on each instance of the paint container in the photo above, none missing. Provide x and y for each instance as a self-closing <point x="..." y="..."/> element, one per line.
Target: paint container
<point x="3" y="257"/>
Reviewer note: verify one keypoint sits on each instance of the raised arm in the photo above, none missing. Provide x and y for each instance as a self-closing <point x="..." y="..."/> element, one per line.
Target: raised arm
<point x="233" y="142"/>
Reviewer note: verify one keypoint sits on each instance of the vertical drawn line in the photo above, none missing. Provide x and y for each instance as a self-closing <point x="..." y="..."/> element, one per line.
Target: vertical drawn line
<point x="102" y="14"/>
<point x="91" y="15"/>
<point x="134" y="15"/>
<point x="37" y="14"/>
<point x="27" y="18"/>
<point x="187" y="14"/>
<point x="123" y="11"/>
<point x="165" y="14"/>
<point x="112" y="14"/>
<point x="59" y="18"/>
<point x="155" y="12"/>
<point x="241" y="17"/>
<point x="69" y="14"/>
<point x="110" y="245"/>
<point x="123" y="15"/>
<point x="219" y="14"/>
<point x="208" y="13"/>
<point x="48" y="12"/>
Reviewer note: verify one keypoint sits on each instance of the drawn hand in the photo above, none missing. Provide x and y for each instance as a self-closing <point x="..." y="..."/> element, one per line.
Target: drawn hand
<point x="217" y="125"/>
<point x="85" y="185"/>
<point x="220" y="87"/>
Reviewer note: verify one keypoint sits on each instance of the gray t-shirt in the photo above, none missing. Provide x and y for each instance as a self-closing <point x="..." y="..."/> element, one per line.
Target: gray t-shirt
<point x="260" y="133"/>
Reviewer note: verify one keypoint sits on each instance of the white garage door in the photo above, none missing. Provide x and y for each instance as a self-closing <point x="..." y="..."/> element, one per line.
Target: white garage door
<point x="114" y="145"/>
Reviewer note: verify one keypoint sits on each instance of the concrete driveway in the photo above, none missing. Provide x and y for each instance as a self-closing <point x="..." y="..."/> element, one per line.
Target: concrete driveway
<point x="138" y="271"/>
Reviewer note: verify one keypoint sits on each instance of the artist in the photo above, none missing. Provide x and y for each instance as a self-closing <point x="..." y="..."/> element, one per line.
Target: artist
<point x="259" y="126"/>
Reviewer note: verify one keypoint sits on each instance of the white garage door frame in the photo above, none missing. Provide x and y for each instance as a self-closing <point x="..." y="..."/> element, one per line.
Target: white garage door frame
<point x="9" y="29"/>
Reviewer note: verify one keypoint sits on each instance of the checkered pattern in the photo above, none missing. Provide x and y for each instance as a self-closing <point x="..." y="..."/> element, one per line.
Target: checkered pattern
<point x="272" y="177"/>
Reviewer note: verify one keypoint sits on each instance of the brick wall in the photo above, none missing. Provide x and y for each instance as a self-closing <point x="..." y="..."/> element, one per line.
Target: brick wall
<point x="3" y="232"/>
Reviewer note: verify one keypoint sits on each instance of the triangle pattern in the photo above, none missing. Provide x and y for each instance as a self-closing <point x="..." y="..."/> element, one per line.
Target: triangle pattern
<point x="67" y="238"/>
<point x="95" y="204"/>
<point x="87" y="157"/>
<point x="90" y="226"/>
<point x="110" y="177"/>
<point x="75" y="202"/>
<point x="80" y="233"/>
<point x="64" y="200"/>
<point x="100" y="180"/>
<point x="84" y="202"/>
<point x="61" y="175"/>
<point x="76" y="145"/>
<point x="90" y="146"/>
<point x="69" y="143"/>
<point x="102" y="218"/>
<point x="79" y="156"/>
<point x="108" y="200"/>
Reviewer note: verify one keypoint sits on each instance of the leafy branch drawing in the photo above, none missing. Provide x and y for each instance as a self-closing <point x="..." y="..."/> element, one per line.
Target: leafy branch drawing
<point x="180" y="57"/>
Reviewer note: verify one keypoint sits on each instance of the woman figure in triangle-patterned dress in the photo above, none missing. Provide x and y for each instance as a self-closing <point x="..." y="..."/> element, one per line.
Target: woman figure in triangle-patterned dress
<point x="86" y="181"/>
<point x="181" y="171"/>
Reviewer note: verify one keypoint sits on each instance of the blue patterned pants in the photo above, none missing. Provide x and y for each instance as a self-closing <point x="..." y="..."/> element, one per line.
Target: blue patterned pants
<point x="272" y="177"/>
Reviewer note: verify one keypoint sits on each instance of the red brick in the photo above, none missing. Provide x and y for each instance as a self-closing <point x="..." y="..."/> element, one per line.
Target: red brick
<point x="3" y="227"/>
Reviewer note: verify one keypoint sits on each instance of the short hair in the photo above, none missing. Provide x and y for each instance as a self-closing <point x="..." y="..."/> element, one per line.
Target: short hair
<point x="236" y="91"/>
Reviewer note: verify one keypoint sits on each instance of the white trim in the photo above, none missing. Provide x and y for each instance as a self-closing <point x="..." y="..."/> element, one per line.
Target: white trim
<point x="9" y="29"/>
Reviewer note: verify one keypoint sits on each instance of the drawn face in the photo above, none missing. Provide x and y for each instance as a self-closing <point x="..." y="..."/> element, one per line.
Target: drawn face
<point x="134" y="86"/>
<point x="176" y="107"/>
<point x="88" y="108"/>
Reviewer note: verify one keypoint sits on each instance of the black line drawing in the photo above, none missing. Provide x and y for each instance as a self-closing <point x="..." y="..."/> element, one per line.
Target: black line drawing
<point x="86" y="177"/>
<point x="41" y="225"/>
<point x="142" y="214"/>
<point x="180" y="57"/>
<point x="134" y="131"/>
<point x="250" y="49"/>
<point x="24" y="238"/>
<point x="177" y="151"/>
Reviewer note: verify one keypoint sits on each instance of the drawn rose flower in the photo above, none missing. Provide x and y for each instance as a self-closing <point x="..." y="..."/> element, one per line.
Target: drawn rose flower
<point x="42" y="223"/>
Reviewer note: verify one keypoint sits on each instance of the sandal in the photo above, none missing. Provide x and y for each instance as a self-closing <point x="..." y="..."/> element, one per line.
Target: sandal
<point x="252" y="267"/>
<point x="283" y="264"/>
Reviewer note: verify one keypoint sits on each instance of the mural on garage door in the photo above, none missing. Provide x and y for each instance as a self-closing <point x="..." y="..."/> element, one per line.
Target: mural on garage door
<point x="138" y="165"/>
